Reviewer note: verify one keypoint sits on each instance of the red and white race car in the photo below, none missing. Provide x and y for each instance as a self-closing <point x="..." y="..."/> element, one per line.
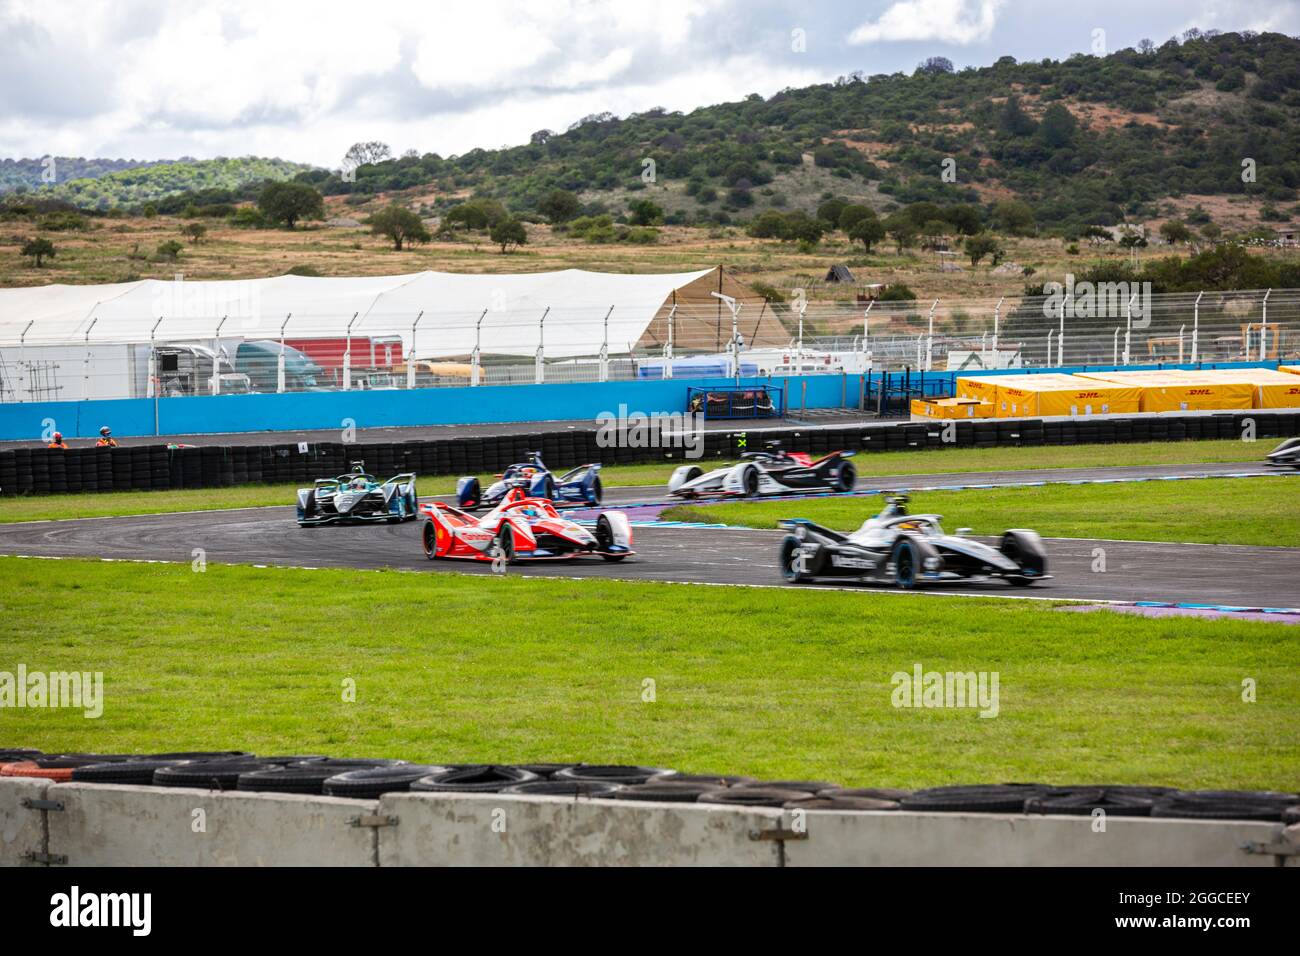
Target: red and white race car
<point x="520" y="529"/>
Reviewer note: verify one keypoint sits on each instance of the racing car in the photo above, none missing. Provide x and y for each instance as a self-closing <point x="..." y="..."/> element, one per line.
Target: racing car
<point x="578" y="485"/>
<point x="770" y="472"/>
<point x="520" y="528"/>
<point x="910" y="550"/>
<point x="356" y="497"/>
<point x="1285" y="455"/>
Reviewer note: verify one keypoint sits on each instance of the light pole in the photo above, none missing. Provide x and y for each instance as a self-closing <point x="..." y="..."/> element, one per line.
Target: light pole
<point x="1196" y="323"/>
<point x="604" y="349"/>
<point x="347" y="353"/>
<point x="668" y="349"/>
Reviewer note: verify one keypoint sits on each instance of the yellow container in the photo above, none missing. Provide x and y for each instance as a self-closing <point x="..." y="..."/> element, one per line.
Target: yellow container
<point x="951" y="408"/>
<point x="982" y="388"/>
<point x="1271" y="389"/>
<point x="1049" y="394"/>
<point x="1173" y="390"/>
<point x="1292" y="369"/>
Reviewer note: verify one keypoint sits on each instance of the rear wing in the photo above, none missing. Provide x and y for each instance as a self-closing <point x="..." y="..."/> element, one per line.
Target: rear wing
<point x="804" y="525"/>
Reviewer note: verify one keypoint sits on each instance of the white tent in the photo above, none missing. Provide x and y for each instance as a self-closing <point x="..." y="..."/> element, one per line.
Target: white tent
<point x="447" y="313"/>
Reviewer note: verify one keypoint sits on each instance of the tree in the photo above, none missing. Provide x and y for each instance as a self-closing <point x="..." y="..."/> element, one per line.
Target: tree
<point x="476" y="214"/>
<point x="288" y="202"/>
<point x="399" y="224"/>
<point x="645" y="212"/>
<point x="802" y="228"/>
<point x="361" y="154"/>
<point x="1058" y="127"/>
<point x="38" y="249"/>
<point x="194" y="231"/>
<point x="902" y="231"/>
<point x="829" y="211"/>
<point x="1174" y="231"/>
<point x="169" y="251"/>
<point x="977" y="247"/>
<point x="509" y="232"/>
<point x="867" y="231"/>
<point x="768" y="224"/>
<point x="1013" y="217"/>
<point x="1211" y="231"/>
<point x="852" y="214"/>
<point x="559" y="205"/>
<point x="1013" y="120"/>
<point x="935" y="64"/>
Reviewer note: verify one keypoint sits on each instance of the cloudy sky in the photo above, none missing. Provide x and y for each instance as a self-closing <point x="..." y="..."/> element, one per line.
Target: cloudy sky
<point x="303" y="81"/>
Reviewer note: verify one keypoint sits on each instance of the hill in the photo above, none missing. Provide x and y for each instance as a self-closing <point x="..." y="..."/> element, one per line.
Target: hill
<point x="151" y="182"/>
<point x="1087" y="140"/>
<point x="19" y="174"/>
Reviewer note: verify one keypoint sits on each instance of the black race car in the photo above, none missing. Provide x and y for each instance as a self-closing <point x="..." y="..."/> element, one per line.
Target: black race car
<point x="770" y="472"/>
<point x="909" y="550"/>
<point x="357" y="497"/>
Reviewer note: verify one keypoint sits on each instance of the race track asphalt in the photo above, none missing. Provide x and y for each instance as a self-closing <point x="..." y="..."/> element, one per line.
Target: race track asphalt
<point x="1134" y="571"/>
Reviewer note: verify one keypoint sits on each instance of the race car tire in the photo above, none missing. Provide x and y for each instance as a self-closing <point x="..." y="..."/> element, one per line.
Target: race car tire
<point x="1026" y="549"/>
<point x="429" y="538"/>
<point x="605" y="538"/>
<point x="565" y="788"/>
<point x="597" y="492"/>
<point x="548" y="488"/>
<point x="474" y="779"/>
<point x="374" y="782"/>
<point x="749" y="481"/>
<point x="605" y="773"/>
<point x="128" y="771"/>
<point x="789" y="548"/>
<point x="907" y="563"/>
<point x="505" y="541"/>
<point x="847" y="479"/>
<point x="754" y="796"/>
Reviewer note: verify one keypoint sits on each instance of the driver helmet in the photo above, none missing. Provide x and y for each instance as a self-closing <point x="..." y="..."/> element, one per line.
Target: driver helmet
<point x="106" y="431"/>
<point x="358" y="483"/>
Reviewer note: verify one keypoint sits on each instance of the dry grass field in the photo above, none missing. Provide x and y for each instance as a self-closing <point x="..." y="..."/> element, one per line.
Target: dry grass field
<point x="119" y="250"/>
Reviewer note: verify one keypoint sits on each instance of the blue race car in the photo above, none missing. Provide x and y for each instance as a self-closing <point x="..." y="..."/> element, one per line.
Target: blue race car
<point x="358" y="496"/>
<point x="579" y="485"/>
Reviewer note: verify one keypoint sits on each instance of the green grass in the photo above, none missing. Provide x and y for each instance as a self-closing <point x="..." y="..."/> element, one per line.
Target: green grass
<point x="458" y="668"/>
<point x="94" y="505"/>
<point x="1210" y="510"/>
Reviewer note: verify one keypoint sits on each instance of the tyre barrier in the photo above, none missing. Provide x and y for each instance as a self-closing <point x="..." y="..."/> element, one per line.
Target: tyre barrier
<point x="44" y="471"/>
<point x="369" y="778"/>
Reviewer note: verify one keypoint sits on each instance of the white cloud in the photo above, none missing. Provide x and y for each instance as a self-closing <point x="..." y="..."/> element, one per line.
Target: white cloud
<point x="946" y="21"/>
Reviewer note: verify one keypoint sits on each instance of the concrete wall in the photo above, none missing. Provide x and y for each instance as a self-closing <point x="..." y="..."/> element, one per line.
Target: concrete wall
<point x="492" y="830"/>
<point x="113" y="825"/>
<point x="218" y="414"/>
<point x="109" y="825"/>
<point x="889" y="838"/>
<point x="22" y="830"/>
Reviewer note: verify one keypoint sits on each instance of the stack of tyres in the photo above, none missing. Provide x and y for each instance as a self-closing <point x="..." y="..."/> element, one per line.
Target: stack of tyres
<point x="104" y="468"/>
<point x="23" y="466"/>
<point x="8" y="473"/>
<point x="190" y="461"/>
<point x="41" y="471"/>
<point x="121" y="458"/>
<point x="72" y="469"/>
<point x="159" y="467"/>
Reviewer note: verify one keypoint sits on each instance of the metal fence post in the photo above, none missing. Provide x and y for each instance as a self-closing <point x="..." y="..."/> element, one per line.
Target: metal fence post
<point x="997" y="314"/>
<point x="476" y="356"/>
<point x="279" y="364"/>
<point x="410" y="355"/>
<point x="539" y="367"/>
<point x="668" y="349"/>
<point x="1263" y="329"/>
<point x="1196" y="323"/>
<point x="604" y="349"/>
<point x="347" y="353"/>
<point x="929" y="340"/>
<point x="216" y="357"/>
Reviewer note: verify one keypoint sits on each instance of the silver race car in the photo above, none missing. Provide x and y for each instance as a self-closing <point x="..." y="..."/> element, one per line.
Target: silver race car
<point x="1285" y="455"/>
<point x="909" y="550"/>
<point x="770" y="472"/>
<point x="357" y="497"/>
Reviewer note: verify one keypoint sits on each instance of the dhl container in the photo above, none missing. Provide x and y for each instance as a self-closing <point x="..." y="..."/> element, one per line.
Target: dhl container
<point x="1271" y="389"/>
<point x="1173" y="390"/>
<point x="982" y="388"/>
<point x="1292" y="369"/>
<point x="951" y="408"/>
<point x="1048" y="394"/>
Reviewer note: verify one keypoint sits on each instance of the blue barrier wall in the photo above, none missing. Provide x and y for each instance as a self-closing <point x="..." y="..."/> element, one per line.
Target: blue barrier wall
<point x="217" y="414"/>
<point x="293" y="411"/>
